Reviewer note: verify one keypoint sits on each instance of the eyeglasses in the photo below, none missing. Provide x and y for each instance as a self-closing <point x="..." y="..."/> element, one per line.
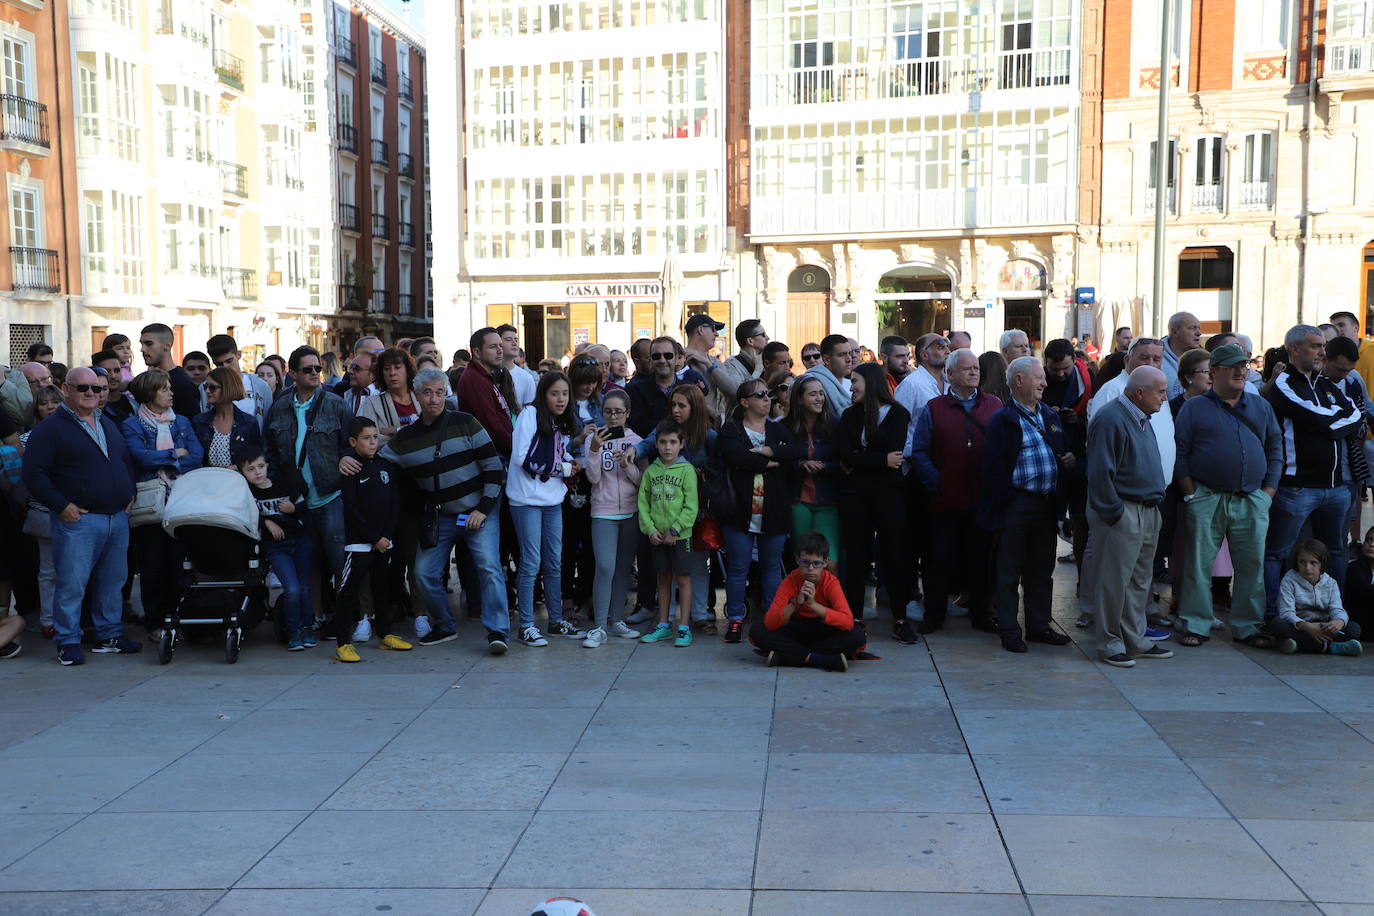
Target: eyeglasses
<point x="759" y="333"/>
<point x="810" y="357"/>
<point x="614" y="411"/>
<point x="811" y="564"/>
<point x="358" y="367"/>
<point x="310" y="370"/>
<point x="661" y="355"/>
<point x="93" y="389"/>
<point x="764" y="395"/>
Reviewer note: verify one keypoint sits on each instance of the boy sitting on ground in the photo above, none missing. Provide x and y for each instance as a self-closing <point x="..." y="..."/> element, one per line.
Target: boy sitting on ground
<point x="809" y="624"/>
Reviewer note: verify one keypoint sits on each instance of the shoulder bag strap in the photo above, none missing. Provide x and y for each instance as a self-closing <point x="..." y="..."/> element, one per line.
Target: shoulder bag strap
<point x="310" y="416"/>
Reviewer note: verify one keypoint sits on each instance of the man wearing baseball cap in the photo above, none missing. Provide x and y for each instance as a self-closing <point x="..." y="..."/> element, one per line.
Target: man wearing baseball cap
<point x="702" y="331"/>
<point x="1230" y="458"/>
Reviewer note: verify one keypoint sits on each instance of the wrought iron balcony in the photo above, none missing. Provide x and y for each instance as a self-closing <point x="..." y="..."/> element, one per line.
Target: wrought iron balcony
<point x="381" y="226"/>
<point x="239" y="283"/>
<point x="381" y="302"/>
<point x="405" y="165"/>
<point x="348" y="138"/>
<point x="407" y="89"/>
<point x="381" y="152"/>
<point x="346" y="51"/>
<point x="348" y="217"/>
<point x="350" y="298"/>
<point x="379" y="72"/>
<point x="233" y="178"/>
<point x="34" y="269"/>
<point x="24" y="121"/>
<point x="407" y="234"/>
<point x="229" y="67"/>
<point x="407" y="304"/>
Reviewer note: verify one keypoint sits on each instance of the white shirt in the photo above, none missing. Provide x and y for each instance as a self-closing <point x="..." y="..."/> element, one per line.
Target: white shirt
<point x="914" y="392"/>
<point x="524" y="381"/>
<point x="1162" y="422"/>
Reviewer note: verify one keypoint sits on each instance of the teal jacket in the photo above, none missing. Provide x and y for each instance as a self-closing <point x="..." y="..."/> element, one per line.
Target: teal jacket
<point x="668" y="497"/>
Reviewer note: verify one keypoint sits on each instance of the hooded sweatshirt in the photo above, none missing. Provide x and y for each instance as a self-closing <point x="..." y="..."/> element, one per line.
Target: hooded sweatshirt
<point x="535" y="477"/>
<point x="668" y="497"/>
<point x="615" y="490"/>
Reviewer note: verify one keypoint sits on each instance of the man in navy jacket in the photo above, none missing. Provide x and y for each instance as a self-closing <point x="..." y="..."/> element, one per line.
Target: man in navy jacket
<point x="75" y="466"/>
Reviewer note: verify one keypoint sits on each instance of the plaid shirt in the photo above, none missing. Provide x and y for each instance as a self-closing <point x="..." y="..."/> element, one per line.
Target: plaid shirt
<point x="1036" y="465"/>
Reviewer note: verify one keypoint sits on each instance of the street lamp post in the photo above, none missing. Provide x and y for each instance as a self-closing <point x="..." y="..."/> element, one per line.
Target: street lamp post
<point x="1163" y="160"/>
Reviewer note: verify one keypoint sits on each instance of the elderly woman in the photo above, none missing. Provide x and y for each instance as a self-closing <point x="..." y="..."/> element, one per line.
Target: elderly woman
<point x="393" y="408"/>
<point x="223" y="431"/>
<point x="161" y="445"/>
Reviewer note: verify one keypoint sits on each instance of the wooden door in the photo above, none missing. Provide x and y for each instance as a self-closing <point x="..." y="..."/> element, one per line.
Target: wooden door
<point x="808" y="320"/>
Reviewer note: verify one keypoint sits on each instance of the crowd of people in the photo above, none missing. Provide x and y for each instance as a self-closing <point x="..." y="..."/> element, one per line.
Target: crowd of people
<point x="618" y="494"/>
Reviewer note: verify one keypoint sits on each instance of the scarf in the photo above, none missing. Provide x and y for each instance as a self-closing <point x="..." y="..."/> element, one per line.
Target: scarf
<point x="545" y="454"/>
<point x="160" y="425"/>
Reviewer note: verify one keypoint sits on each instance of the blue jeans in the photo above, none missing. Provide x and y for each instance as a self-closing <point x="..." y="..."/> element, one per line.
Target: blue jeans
<point x="739" y="553"/>
<point x="93" y="549"/>
<point x="485" y="546"/>
<point x="328" y="532"/>
<point x="290" y="560"/>
<point x="1326" y="507"/>
<point x="539" y="530"/>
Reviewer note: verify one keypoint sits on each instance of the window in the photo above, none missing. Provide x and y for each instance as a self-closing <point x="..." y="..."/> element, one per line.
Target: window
<point x="18" y="61"/>
<point x="1034" y="43"/>
<point x="1206" y="268"/>
<point x="93" y="212"/>
<point x="1154" y="168"/>
<point x="88" y="109"/>
<point x="26" y="229"/>
<point x="1207" y="164"/>
<point x="1264" y="25"/>
<point x="1257" y="170"/>
<point x="122" y="82"/>
<point x="1351" y="19"/>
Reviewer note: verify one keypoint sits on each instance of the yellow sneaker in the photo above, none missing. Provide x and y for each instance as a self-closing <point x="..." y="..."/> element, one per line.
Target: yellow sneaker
<point x="346" y="653"/>
<point x="394" y="642"/>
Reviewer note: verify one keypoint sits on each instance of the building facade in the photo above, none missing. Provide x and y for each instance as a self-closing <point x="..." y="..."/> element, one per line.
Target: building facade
<point x="40" y="278"/>
<point x="376" y="110"/>
<point x="1270" y="193"/>
<point x="584" y="143"/>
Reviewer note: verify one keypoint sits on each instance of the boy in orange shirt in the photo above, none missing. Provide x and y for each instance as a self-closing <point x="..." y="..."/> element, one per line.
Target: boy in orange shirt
<point x="809" y="624"/>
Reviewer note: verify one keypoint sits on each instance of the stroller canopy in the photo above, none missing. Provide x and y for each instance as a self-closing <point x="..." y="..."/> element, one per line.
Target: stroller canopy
<point x="218" y="497"/>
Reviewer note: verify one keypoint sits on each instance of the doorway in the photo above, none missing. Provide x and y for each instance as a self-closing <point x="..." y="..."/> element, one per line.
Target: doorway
<point x="808" y="306"/>
<point x="545" y="332"/>
<point x="912" y="301"/>
<point x="1024" y="315"/>
<point x="1367" y="283"/>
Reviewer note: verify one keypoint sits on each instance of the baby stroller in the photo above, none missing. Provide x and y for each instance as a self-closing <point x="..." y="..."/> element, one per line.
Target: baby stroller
<point x="211" y="512"/>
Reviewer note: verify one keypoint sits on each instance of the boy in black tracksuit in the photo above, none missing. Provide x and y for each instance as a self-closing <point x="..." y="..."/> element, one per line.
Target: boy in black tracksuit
<point x="371" y="504"/>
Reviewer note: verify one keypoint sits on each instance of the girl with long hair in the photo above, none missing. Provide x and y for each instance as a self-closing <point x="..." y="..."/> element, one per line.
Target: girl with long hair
<point x="816" y="472"/>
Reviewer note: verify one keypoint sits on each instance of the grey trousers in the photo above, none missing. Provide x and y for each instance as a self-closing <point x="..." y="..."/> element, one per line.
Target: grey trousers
<point x="1122" y="565"/>
<point x="613" y="542"/>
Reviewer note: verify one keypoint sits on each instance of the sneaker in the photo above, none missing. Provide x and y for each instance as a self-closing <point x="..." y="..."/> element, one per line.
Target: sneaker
<point x="641" y="615"/>
<point x="496" y="643"/>
<point x="773" y="660"/>
<point x="10" y="650"/>
<point x="828" y="662"/>
<point x="434" y="637"/>
<point x="1049" y="638"/>
<point x="1349" y="647"/>
<point x="49" y="632"/>
<point x="619" y="629"/>
<point x="684" y="637"/>
<point x="734" y="632"/>
<point x="394" y="642"/>
<point x="564" y="628"/>
<point x="595" y="637"/>
<point x="902" y="632"/>
<point x="1120" y="660"/>
<point x="117" y="646"/>
<point x="346" y="653"/>
<point x="422" y="626"/>
<point x="659" y="633"/>
<point x="296" y="643"/>
<point x="531" y="636"/>
<point x="1156" y="633"/>
<point x="1287" y="646"/>
<point x="1154" y="652"/>
<point x="363" y="631"/>
<point x="1084" y="621"/>
<point x="70" y="655"/>
<point x="308" y="638"/>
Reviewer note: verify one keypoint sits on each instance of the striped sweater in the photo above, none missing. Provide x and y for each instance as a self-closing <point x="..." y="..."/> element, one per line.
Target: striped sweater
<point x="469" y="472"/>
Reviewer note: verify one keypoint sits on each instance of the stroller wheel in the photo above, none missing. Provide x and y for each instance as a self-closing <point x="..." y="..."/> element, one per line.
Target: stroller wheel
<point x="165" y="646"/>
<point x="231" y="645"/>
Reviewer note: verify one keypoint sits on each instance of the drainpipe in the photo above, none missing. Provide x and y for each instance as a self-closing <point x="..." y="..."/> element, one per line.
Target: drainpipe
<point x="62" y="194"/>
<point x="1308" y="123"/>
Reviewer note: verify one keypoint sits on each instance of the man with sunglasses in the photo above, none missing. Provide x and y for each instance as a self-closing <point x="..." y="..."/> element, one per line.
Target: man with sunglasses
<point x="744" y="365"/>
<point x="360" y="380"/>
<point x="75" y="465"/>
<point x="649" y="393"/>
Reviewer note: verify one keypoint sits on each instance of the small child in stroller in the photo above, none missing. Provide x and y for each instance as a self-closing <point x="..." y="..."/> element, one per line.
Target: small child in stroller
<point x="286" y="541"/>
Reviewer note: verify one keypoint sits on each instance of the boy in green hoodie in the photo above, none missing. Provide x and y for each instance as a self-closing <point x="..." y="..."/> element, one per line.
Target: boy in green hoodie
<point x="667" y="511"/>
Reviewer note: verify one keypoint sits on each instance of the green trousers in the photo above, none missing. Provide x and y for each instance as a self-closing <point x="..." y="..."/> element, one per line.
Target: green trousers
<point x="1244" y="522"/>
<point x="822" y="517"/>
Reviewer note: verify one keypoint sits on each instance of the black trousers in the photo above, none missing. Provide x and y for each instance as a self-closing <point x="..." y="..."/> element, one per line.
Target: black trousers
<point x="862" y="513"/>
<point x="794" y="640"/>
<point x="1025" y="558"/>
<point x="159" y="573"/>
<point x="579" y="563"/>
<point x="1306" y="642"/>
<point x="960" y="554"/>
<point x="364" y="573"/>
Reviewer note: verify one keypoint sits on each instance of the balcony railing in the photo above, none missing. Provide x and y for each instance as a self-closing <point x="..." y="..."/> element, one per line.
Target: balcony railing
<point x="350" y="298"/>
<point x="381" y="302"/>
<point x="406" y="304"/>
<point x="906" y="210"/>
<point x="239" y="283"/>
<point x="346" y="51"/>
<point x="34" y="269"/>
<point x="24" y="120"/>
<point x="348" y="138"/>
<point x="1208" y="198"/>
<point x="407" y="234"/>
<point x="381" y="226"/>
<point x="406" y="88"/>
<point x="233" y="178"/>
<point x="229" y="67"/>
<point x="1345" y="56"/>
<point x="379" y="72"/>
<point x="1256" y="195"/>
<point x="405" y="165"/>
<point x="381" y="152"/>
<point x="348" y="217"/>
<point x="906" y="79"/>
<point x="1171" y="193"/>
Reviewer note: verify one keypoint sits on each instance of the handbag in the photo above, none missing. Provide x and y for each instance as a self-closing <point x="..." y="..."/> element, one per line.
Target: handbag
<point x="429" y="513"/>
<point x="150" y="497"/>
<point x="708" y="534"/>
<point x="38" y="522"/>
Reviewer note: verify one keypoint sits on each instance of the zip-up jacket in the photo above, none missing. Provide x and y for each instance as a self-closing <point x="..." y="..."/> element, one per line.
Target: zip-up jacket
<point x="1315" y="419"/>
<point x="63" y="464"/>
<point x="328" y="420"/>
<point x="668" y="497"/>
<point x="371" y="502"/>
<point x="615" y="490"/>
<point x="144" y="456"/>
<point x="478" y="396"/>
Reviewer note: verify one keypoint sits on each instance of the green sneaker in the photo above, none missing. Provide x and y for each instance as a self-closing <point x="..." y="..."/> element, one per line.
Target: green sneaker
<point x="1347" y="647"/>
<point x="658" y="634"/>
<point x="684" y="637"/>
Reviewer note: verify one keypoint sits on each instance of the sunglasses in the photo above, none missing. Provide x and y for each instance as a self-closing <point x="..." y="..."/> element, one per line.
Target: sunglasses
<point x="211" y="386"/>
<point x="310" y="370"/>
<point x="358" y="368"/>
<point x="764" y="395"/>
<point x="810" y="357"/>
<point x="94" y="389"/>
<point x="811" y="564"/>
<point x="662" y="355"/>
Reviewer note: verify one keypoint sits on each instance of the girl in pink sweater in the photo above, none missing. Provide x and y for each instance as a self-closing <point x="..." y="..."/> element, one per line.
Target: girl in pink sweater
<point x="614" y="477"/>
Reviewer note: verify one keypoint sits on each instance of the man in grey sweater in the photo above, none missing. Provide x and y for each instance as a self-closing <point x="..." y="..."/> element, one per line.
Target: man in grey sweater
<point x="1125" y="487"/>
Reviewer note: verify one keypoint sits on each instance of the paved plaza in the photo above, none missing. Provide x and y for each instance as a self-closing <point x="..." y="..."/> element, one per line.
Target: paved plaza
<point x="951" y="777"/>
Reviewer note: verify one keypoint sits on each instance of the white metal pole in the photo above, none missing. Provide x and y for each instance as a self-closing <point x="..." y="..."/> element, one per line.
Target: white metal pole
<point x="1163" y="160"/>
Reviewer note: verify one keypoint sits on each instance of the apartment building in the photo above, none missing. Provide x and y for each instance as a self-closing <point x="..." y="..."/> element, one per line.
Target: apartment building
<point x="377" y="121"/>
<point x="1269" y="191"/>
<point x="579" y="169"/>
<point x="40" y="280"/>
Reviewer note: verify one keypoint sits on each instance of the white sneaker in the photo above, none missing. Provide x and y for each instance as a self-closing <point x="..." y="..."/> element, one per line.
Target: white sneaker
<point x="363" y="631"/>
<point x="531" y="636"/>
<point x="422" y="627"/>
<point x="619" y="629"/>
<point x="640" y="615"/>
<point x="272" y="580"/>
<point x="594" y="638"/>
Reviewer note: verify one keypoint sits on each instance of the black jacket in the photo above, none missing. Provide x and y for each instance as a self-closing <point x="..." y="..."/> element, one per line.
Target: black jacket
<point x="185" y="394"/>
<point x="1315" y="419"/>
<point x="371" y="502"/>
<point x="867" y="463"/>
<point x="1001" y="449"/>
<point x="648" y="404"/>
<point x="741" y="464"/>
<point x="244" y="434"/>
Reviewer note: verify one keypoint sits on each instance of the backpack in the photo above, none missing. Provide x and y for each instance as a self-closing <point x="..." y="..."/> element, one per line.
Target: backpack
<point x="715" y="491"/>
